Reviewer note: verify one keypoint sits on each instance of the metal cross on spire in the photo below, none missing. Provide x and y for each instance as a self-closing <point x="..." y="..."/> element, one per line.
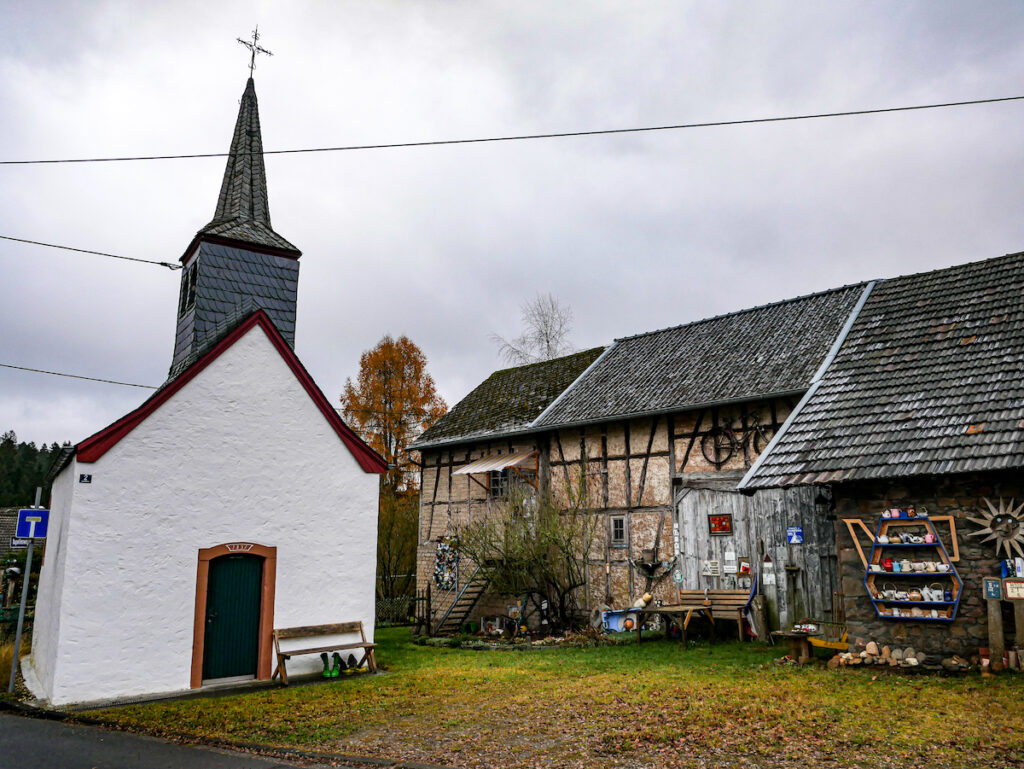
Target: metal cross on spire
<point x="254" y="49"/>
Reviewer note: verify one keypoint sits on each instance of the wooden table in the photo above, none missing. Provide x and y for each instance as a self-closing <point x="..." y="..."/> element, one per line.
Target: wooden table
<point x="684" y="610"/>
<point x="799" y="643"/>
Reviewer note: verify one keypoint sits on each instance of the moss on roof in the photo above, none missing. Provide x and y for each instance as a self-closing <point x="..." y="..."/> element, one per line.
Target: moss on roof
<point x="509" y="399"/>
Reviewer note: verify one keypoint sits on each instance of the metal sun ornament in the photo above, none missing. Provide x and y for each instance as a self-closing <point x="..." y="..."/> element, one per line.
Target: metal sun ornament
<point x="1003" y="524"/>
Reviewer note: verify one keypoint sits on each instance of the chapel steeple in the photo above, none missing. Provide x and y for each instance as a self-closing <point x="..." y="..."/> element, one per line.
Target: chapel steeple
<point x="243" y="211"/>
<point x="237" y="263"/>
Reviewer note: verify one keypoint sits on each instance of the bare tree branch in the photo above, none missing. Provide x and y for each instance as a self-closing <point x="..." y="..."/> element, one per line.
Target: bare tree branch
<point x="546" y="327"/>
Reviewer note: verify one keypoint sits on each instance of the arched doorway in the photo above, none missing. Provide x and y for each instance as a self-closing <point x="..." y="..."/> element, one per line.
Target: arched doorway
<point x="234" y="612"/>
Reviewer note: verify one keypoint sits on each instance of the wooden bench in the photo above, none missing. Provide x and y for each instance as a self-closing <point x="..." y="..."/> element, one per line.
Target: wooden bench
<point x="714" y="604"/>
<point x="315" y="631"/>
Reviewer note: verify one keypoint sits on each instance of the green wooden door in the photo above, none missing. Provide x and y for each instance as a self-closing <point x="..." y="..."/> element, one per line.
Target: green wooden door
<point x="232" y="616"/>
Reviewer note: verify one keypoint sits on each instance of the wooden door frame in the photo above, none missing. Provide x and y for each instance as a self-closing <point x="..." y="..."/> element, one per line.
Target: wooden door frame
<point x="267" y="585"/>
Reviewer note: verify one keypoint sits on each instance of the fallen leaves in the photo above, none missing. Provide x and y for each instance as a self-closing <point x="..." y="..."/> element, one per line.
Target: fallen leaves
<point x="654" y="705"/>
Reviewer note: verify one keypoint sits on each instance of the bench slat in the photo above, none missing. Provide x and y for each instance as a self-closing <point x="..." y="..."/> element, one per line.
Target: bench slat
<point x="315" y="630"/>
<point x="296" y="652"/>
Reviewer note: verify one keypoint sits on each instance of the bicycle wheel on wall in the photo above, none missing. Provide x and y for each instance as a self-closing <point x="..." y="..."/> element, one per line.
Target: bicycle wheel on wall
<point x="717" y="446"/>
<point x="762" y="436"/>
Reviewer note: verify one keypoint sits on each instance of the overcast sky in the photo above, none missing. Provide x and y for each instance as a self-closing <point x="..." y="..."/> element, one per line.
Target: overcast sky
<point x="444" y="244"/>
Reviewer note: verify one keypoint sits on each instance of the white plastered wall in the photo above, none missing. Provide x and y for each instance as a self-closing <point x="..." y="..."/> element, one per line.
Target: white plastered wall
<point x="240" y="454"/>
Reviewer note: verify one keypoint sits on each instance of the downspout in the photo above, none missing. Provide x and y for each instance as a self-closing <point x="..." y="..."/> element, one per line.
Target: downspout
<point x="815" y="384"/>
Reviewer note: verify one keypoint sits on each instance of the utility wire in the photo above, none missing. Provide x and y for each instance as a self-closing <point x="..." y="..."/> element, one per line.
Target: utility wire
<point x="168" y="265"/>
<point x="76" y="376"/>
<point x="524" y="137"/>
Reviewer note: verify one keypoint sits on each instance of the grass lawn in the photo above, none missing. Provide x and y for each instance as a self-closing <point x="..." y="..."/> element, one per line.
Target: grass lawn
<point x="653" y="705"/>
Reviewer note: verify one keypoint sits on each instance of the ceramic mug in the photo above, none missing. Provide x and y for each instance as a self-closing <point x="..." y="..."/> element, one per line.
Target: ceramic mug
<point x="897" y="567"/>
<point x="905" y="565"/>
<point x="929" y="538"/>
<point x="947" y="596"/>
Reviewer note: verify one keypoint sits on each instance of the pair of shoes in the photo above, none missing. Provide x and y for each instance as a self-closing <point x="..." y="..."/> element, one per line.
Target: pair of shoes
<point x="333" y="671"/>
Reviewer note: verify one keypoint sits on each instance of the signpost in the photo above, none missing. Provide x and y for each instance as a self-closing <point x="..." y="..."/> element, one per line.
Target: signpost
<point x="993" y="589"/>
<point x="32" y="525"/>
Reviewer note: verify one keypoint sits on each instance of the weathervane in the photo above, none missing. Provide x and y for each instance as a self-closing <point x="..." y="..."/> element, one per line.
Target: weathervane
<point x="253" y="49"/>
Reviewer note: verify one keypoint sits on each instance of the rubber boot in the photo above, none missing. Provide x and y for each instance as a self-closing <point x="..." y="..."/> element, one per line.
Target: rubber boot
<point x="339" y="665"/>
<point x="327" y="665"/>
<point x="352" y="662"/>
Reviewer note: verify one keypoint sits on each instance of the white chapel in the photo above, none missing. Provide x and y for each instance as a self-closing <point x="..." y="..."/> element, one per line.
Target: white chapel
<point x="233" y="501"/>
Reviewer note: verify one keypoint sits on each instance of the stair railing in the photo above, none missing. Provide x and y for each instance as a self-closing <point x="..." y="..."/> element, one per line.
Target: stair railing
<point x="455" y="601"/>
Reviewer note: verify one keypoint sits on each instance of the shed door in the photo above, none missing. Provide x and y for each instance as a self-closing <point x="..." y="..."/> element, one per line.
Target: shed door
<point x="231" y="645"/>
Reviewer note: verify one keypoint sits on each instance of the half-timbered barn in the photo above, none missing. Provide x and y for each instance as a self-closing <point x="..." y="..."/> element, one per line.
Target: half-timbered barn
<point x="922" y="412"/>
<point x="663" y="425"/>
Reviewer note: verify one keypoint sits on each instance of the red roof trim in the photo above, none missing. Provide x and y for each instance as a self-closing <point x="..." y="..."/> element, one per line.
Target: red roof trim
<point x="96" y="446"/>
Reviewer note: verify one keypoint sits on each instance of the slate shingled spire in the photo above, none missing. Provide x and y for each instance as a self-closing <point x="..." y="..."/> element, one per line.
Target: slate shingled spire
<point x="243" y="211"/>
<point x="236" y="264"/>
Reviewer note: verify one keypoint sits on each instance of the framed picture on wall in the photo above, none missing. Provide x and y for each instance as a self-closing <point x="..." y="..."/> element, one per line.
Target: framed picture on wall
<point x="720" y="524"/>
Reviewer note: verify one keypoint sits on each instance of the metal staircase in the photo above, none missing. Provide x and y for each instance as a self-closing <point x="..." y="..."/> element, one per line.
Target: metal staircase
<point x="462" y="603"/>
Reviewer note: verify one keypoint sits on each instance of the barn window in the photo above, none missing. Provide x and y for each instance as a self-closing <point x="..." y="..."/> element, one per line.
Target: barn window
<point x="501" y="481"/>
<point x="498" y="483"/>
<point x="618" y="531"/>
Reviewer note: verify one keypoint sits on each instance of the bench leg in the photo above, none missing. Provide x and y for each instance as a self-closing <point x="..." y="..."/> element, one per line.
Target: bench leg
<point x="281" y="666"/>
<point x="371" y="661"/>
<point x="739" y="622"/>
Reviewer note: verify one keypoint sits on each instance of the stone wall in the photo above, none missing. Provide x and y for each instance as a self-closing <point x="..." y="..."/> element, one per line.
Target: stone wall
<point x="959" y="496"/>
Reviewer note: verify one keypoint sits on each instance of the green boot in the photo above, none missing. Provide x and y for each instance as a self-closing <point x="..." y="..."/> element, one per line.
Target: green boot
<point x="327" y="665"/>
<point x="339" y="665"/>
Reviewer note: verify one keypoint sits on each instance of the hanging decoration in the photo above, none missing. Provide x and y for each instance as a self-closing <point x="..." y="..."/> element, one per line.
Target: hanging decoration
<point x="1003" y="524"/>
<point x="446" y="563"/>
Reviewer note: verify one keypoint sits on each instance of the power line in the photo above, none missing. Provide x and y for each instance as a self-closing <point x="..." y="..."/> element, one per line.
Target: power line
<point x="525" y="137"/>
<point x="168" y="265"/>
<point x="77" y="376"/>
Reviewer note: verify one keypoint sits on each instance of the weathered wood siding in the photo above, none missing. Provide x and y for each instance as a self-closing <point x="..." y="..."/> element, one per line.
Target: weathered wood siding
<point x="806" y="575"/>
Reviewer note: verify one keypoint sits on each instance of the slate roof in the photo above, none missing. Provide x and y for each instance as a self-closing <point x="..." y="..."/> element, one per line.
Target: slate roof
<point x="507" y="401"/>
<point x="930" y="380"/>
<point x="232" y="284"/>
<point x="243" y="209"/>
<point x="770" y="350"/>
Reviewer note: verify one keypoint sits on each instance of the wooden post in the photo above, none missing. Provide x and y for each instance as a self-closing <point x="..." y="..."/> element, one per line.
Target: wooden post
<point x="995" y="635"/>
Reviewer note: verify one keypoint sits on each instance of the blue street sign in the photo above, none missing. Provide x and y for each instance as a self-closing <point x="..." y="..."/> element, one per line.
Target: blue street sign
<point x="32" y="524"/>
<point x="795" y="535"/>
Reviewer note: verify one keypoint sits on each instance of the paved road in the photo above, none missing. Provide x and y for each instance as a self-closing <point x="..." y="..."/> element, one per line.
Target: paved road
<point x="34" y="743"/>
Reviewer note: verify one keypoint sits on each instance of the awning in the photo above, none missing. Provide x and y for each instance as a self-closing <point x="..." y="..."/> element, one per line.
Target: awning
<point x="489" y="464"/>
